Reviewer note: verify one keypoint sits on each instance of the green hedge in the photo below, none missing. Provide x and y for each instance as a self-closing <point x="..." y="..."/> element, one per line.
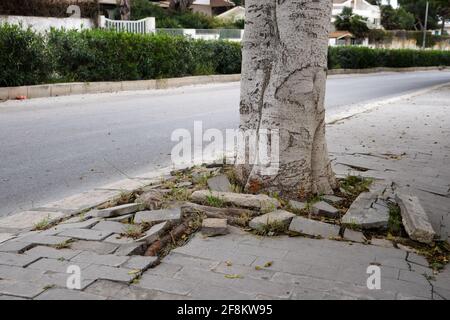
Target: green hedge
<point x="27" y="58"/>
<point x="362" y="58"/>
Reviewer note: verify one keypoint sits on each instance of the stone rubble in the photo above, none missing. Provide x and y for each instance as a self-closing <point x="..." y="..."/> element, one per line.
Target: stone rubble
<point x="367" y="212"/>
<point x="219" y="183"/>
<point x="278" y="217"/>
<point x="324" y="209"/>
<point x="314" y="228"/>
<point x="212" y="227"/>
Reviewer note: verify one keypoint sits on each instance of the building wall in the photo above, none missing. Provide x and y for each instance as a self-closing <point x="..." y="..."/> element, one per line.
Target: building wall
<point x="42" y="24"/>
<point x="202" y="9"/>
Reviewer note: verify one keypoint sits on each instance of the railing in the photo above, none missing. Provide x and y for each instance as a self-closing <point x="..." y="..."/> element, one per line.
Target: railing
<point x="146" y="25"/>
<point x="206" y="34"/>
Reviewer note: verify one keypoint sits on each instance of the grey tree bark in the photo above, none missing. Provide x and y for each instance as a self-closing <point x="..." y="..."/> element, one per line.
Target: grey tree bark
<point x="284" y="65"/>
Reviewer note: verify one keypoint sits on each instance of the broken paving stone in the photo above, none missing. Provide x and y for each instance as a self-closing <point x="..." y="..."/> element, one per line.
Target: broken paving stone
<point x="155" y="216"/>
<point x="184" y="184"/>
<point x="153" y="233"/>
<point x="111" y="226"/>
<point x="314" y="228"/>
<point x="367" y="212"/>
<point x="131" y="249"/>
<point x="355" y="236"/>
<point x="119" y="210"/>
<point x="260" y="201"/>
<point x="332" y="199"/>
<point x="278" y="217"/>
<point x="212" y="227"/>
<point x="140" y="263"/>
<point x="86" y="234"/>
<point x="323" y="209"/>
<point x="297" y="205"/>
<point x="415" y="219"/>
<point x="219" y="183"/>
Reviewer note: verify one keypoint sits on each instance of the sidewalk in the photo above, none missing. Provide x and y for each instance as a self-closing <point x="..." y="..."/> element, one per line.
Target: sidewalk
<point x="406" y="142"/>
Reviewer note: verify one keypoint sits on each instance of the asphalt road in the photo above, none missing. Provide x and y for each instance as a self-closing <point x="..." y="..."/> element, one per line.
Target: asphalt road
<point x="55" y="147"/>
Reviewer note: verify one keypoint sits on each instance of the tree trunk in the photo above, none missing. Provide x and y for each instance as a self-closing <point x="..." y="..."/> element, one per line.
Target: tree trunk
<point x="284" y="68"/>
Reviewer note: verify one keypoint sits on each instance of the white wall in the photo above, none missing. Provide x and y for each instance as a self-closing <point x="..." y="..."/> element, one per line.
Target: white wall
<point x="42" y="24"/>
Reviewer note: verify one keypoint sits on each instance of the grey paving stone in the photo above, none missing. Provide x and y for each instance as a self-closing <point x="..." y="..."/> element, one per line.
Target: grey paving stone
<point x="212" y="292"/>
<point x="94" y="246"/>
<point x="156" y="216"/>
<point x="381" y="243"/>
<point x="20" y="289"/>
<point x="367" y="214"/>
<point x="297" y="205"/>
<point x="169" y="285"/>
<point x="354" y="236"/>
<point x="84" y="201"/>
<point x="94" y="258"/>
<point x="6" y="236"/>
<point x="244" y="271"/>
<point x="415" y="277"/>
<point x="131" y="249"/>
<point x="66" y="294"/>
<point x="110" y="226"/>
<point x="13" y="246"/>
<point x="278" y="217"/>
<point x="167" y="270"/>
<point x="48" y="252"/>
<point x="53" y="265"/>
<point x="417" y="259"/>
<point x="6" y="297"/>
<point x="86" y="234"/>
<point x="65" y="226"/>
<point x="119" y="210"/>
<point x="53" y="279"/>
<point x="314" y="228"/>
<point x="18" y="260"/>
<point x="154" y="233"/>
<point x="38" y="239"/>
<point x="332" y="199"/>
<point x="110" y="273"/>
<point x="324" y="209"/>
<point x="118" y="239"/>
<point x="124" y="219"/>
<point x="214" y="227"/>
<point x="140" y="263"/>
<point x="120" y="291"/>
<point x="183" y="260"/>
<point x="219" y="183"/>
<point x="19" y="273"/>
<point x="415" y="219"/>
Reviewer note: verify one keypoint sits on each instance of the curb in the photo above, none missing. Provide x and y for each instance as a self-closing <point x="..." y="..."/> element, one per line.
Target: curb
<point x="76" y="88"/>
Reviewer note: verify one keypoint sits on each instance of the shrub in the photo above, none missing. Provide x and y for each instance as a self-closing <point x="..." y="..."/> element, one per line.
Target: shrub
<point x="361" y="58"/>
<point x="24" y="58"/>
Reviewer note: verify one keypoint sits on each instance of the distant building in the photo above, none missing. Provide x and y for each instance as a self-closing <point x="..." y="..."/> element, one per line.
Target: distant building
<point x="207" y="7"/>
<point x="360" y="7"/>
<point x="235" y="14"/>
<point x="392" y="3"/>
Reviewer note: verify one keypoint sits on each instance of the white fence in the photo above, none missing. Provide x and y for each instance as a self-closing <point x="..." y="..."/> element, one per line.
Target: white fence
<point x="146" y="25"/>
<point x="206" y="34"/>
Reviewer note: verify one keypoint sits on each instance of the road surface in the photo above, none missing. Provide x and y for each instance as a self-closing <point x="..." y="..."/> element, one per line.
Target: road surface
<point x="54" y="147"/>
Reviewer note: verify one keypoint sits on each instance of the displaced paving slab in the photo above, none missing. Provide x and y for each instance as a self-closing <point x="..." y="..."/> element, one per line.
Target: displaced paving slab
<point x="156" y="216"/>
<point x="86" y="234"/>
<point x="154" y="233"/>
<point x="140" y="263"/>
<point x="415" y="219"/>
<point x="17" y="260"/>
<point x="367" y="212"/>
<point x="119" y="210"/>
<point x="276" y="217"/>
<point x="261" y="202"/>
<point x="14" y="246"/>
<point x="110" y="226"/>
<point x="49" y="252"/>
<point x="219" y="183"/>
<point x="212" y="227"/>
<point x="314" y="228"/>
<point x="324" y="209"/>
<point x="297" y="205"/>
<point x="85" y="200"/>
<point x="6" y="236"/>
<point x="111" y="260"/>
<point x="99" y="247"/>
